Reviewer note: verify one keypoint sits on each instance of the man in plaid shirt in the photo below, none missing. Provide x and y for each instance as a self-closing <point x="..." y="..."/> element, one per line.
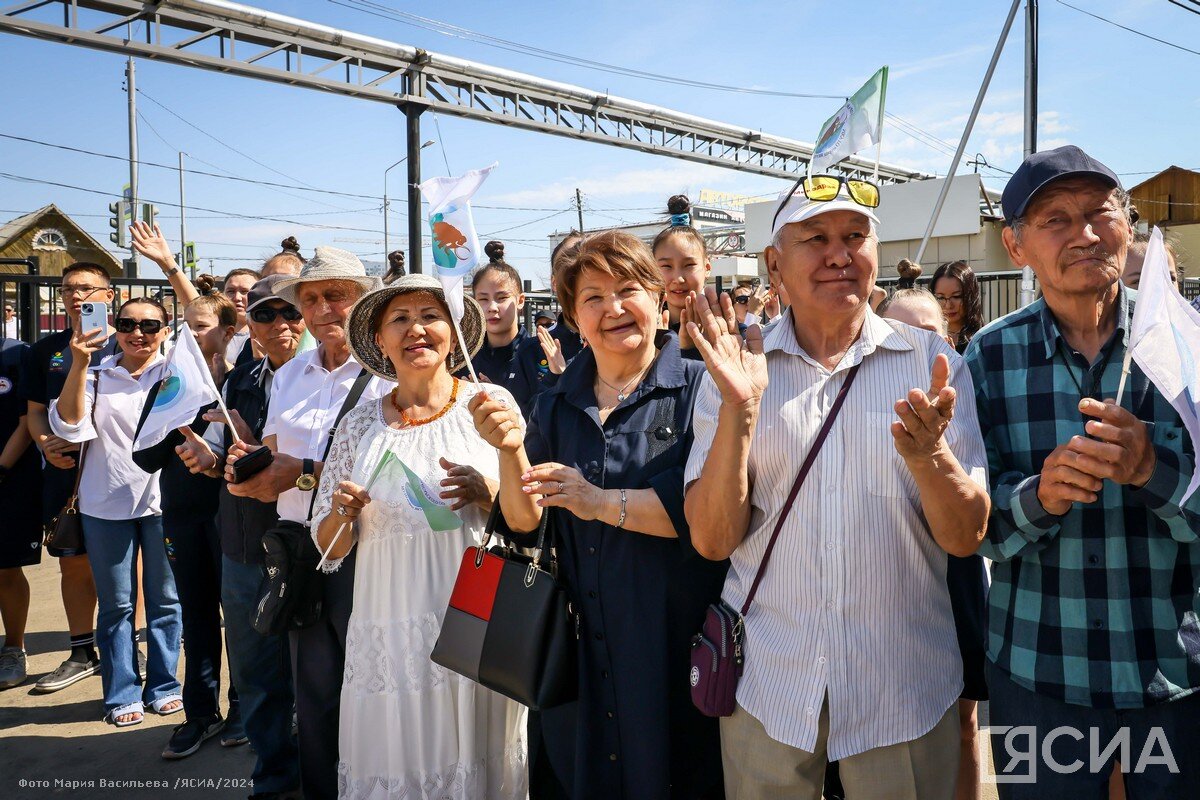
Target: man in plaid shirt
<point x="1094" y="614"/>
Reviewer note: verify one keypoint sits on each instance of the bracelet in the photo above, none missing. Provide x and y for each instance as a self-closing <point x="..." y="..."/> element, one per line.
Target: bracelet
<point x="621" y="519"/>
<point x="174" y="271"/>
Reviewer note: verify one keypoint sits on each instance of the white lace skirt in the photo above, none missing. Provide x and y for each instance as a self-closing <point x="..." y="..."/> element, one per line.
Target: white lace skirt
<point x="410" y="729"/>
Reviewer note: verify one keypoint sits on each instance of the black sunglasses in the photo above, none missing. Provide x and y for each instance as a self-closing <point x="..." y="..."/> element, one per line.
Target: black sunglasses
<point x="742" y="299"/>
<point x="147" y="326"/>
<point x="266" y="314"/>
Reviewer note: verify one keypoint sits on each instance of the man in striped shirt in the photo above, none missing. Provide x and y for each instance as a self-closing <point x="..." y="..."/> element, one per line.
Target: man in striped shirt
<point x="1094" y="618"/>
<point x="850" y="647"/>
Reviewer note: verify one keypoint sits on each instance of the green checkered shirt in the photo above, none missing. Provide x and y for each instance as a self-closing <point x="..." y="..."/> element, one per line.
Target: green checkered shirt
<point x="1100" y="606"/>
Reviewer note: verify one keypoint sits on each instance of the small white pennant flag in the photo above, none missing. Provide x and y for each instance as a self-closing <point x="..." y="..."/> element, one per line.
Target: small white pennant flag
<point x="1164" y="339"/>
<point x="186" y="387"/>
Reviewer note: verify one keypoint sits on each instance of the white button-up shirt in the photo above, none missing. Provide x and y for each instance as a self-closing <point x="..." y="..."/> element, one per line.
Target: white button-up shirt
<point x="305" y="400"/>
<point x="853" y="604"/>
<point x="112" y="486"/>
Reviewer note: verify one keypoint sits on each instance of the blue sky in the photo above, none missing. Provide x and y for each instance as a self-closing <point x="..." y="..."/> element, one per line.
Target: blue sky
<point x="1133" y="103"/>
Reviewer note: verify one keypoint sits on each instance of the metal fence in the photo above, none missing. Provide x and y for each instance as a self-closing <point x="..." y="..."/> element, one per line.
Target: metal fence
<point x="39" y="307"/>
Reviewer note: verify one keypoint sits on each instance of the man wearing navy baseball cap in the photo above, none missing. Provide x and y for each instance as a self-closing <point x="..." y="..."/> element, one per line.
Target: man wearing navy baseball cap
<point x="1094" y="618"/>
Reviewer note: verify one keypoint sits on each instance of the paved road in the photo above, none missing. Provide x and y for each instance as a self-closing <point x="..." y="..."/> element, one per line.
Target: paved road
<point x="60" y="742"/>
<point x="59" y="738"/>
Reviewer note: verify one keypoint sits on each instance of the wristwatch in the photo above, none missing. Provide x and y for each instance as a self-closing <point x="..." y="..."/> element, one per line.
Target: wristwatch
<point x="308" y="476"/>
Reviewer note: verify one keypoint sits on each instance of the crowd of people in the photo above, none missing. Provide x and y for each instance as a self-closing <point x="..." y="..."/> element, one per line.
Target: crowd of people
<point x="832" y="465"/>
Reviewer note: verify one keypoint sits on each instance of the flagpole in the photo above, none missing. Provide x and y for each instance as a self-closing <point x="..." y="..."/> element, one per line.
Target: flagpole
<point x="463" y="344"/>
<point x="338" y="534"/>
<point x="232" y="428"/>
<point x="879" y="144"/>
<point x="1125" y="365"/>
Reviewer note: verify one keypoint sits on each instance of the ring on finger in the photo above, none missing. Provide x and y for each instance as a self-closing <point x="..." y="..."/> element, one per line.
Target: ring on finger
<point x="561" y="488"/>
<point x="341" y="510"/>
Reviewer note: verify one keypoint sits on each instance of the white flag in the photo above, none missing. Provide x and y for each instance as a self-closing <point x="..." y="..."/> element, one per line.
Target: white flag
<point x="856" y="126"/>
<point x="456" y="248"/>
<point x="1165" y="341"/>
<point x="185" y="388"/>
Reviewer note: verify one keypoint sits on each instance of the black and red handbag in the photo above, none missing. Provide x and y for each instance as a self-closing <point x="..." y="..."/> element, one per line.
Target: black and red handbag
<point x="509" y="625"/>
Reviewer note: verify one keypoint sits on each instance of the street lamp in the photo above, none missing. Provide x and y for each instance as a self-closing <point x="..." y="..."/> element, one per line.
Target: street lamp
<point x="386" y="250"/>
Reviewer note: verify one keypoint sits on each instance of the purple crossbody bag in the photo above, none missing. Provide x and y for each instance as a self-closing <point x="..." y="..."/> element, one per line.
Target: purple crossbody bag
<point x="718" y="650"/>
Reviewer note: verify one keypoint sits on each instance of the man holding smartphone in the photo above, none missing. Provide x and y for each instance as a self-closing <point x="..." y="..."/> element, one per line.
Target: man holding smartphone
<point x="42" y="377"/>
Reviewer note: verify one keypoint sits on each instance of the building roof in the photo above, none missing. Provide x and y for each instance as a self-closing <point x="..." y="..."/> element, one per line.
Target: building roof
<point x="16" y="227"/>
<point x="1155" y="177"/>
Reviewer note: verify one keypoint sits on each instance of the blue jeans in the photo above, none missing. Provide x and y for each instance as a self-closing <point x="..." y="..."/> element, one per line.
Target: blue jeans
<point x="260" y="668"/>
<point x="112" y="546"/>
<point x="1067" y="734"/>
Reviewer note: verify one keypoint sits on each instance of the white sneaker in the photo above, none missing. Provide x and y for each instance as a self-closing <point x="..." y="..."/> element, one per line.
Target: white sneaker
<point x="12" y="667"/>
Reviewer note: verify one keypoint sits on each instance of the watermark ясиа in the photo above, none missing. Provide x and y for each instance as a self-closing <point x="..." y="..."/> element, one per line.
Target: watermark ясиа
<point x="1018" y="752"/>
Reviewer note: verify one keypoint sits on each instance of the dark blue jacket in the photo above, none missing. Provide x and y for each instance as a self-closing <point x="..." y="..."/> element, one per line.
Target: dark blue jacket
<point x="530" y="374"/>
<point x="634" y="732"/>
<point x="496" y="362"/>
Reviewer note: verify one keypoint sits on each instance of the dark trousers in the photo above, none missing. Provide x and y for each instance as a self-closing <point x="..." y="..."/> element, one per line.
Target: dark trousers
<point x="1160" y="762"/>
<point x="318" y="661"/>
<point x="260" y="666"/>
<point x="194" y="553"/>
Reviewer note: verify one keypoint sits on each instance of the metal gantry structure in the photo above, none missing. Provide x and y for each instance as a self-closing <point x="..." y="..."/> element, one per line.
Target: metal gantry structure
<point x="241" y="40"/>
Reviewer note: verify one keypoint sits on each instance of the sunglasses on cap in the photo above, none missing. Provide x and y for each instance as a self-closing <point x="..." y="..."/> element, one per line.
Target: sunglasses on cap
<point x="266" y="314"/>
<point x="823" y="188"/>
<point x="147" y="326"/>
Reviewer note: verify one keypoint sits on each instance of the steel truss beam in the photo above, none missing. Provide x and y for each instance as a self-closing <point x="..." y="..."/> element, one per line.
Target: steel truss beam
<point x="235" y="39"/>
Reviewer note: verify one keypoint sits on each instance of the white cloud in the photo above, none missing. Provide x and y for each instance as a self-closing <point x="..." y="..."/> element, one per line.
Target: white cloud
<point x="910" y="68"/>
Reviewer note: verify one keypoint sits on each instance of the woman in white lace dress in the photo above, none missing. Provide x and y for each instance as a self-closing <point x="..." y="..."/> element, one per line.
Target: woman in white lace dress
<point x="410" y="729"/>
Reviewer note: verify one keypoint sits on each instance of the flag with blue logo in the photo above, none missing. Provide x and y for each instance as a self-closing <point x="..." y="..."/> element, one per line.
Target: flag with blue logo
<point x="456" y="248"/>
<point x="185" y="388"/>
<point x="1164" y="339"/>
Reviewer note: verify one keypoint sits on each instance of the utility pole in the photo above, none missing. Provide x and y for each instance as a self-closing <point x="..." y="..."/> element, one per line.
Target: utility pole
<point x="131" y="89"/>
<point x="183" y="224"/>
<point x="412" y="130"/>
<point x="1031" y="76"/>
<point x="579" y="208"/>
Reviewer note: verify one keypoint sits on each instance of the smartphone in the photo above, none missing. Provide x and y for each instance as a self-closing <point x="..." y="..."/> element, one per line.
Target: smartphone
<point x="251" y="464"/>
<point x="93" y="316"/>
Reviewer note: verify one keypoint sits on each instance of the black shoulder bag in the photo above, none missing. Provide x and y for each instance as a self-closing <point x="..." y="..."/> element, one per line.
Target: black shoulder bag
<point x="294" y="593"/>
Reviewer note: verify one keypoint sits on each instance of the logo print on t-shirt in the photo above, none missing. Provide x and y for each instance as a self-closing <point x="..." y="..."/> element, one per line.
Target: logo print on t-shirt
<point x="5" y="386"/>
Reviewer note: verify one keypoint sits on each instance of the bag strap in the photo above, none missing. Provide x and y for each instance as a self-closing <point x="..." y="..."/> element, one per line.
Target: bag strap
<point x="822" y="435"/>
<point x="352" y="397"/>
<point x="83" y="448"/>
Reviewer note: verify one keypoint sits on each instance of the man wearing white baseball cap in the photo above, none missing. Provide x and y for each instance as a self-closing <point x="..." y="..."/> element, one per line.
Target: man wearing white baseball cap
<point x="838" y="571"/>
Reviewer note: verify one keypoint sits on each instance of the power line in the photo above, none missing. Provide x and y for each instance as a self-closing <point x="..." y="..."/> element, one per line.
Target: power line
<point x="25" y="179"/>
<point x="493" y="234"/>
<point x="1134" y="31"/>
<point x="226" y="145"/>
<point x="205" y="173"/>
<point x="189" y="171"/>
<point x="458" y="32"/>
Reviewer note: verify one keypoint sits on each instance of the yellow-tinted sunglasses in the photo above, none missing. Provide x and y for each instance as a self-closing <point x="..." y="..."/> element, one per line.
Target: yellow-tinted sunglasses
<point x="823" y="188"/>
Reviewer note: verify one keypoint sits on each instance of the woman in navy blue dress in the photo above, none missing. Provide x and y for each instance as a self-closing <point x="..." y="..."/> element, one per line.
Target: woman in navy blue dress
<point x="604" y="454"/>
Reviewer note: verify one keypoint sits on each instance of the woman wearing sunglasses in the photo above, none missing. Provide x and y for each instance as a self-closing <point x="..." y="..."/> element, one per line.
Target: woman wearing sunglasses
<point x="120" y="509"/>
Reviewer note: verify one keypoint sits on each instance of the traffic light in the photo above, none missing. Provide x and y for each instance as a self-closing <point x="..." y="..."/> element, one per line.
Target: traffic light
<point x="149" y="212"/>
<point x="118" y="235"/>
